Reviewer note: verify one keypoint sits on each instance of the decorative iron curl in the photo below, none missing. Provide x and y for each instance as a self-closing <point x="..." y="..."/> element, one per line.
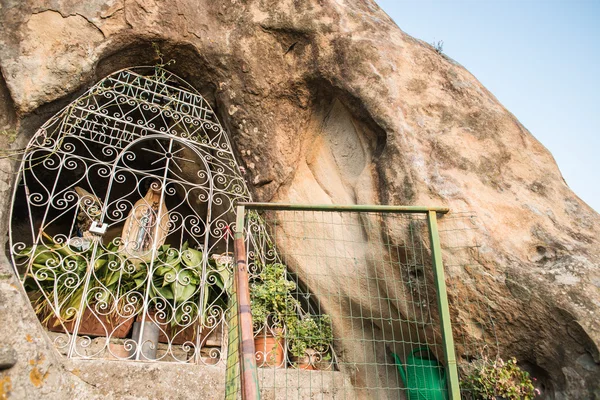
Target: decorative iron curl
<point x="68" y="148"/>
<point x="121" y="207"/>
<point x="19" y="247"/>
<point x="130" y="345"/>
<point x="170" y="190"/>
<point x="129" y="304"/>
<point x="214" y="353"/>
<point x="102" y="305"/>
<point x="213" y="317"/>
<point x="84" y="341"/>
<point x="188" y="346"/>
<point x="196" y="228"/>
<point x="37" y="199"/>
<point x="162" y="310"/>
<point x="109" y="151"/>
<point x="68" y="199"/>
<point x="175" y="221"/>
<point x="61" y="239"/>
<point x="129" y="156"/>
<point x="61" y="341"/>
<point x="51" y="162"/>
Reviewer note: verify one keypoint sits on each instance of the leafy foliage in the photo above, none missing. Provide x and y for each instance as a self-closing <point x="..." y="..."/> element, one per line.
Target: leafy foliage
<point x="270" y="298"/>
<point x="176" y="281"/>
<point x="499" y="379"/>
<point x="58" y="273"/>
<point x="310" y="332"/>
<point x="272" y="303"/>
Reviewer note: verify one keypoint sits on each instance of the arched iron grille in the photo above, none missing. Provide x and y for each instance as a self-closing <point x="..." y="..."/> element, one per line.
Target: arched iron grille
<point x="122" y="220"/>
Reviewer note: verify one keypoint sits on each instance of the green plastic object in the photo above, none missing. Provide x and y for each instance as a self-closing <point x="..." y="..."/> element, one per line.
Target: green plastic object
<point x="423" y="376"/>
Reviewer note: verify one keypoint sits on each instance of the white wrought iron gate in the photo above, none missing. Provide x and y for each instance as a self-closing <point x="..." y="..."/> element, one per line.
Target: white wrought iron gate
<point x="122" y="222"/>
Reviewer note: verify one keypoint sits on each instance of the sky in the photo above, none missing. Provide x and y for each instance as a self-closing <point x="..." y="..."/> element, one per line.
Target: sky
<point x="540" y="58"/>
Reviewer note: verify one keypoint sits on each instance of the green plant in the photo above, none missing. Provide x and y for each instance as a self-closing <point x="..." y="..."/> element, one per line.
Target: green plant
<point x="10" y="134"/>
<point x="177" y="278"/>
<point x="55" y="270"/>
<point x="438" y="46"/>
<point x="498" y="379"/>
<point x="273" y="305"/>
<point x="58" y="272"/>
<point x="310" y="332"/>
<point x="270" y="298"/>
<point x="160" y="57"/>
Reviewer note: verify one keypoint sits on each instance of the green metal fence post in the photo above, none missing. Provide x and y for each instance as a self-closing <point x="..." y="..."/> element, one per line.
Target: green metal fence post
<point x="442" y="297"/>
<point x="343" y="208"/>
<point x="248" y="372"/>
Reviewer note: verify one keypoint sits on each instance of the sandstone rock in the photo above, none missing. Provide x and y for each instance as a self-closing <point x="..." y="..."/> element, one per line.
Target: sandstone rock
<point x="327" y="101"/>
<point x="8" y="357"/>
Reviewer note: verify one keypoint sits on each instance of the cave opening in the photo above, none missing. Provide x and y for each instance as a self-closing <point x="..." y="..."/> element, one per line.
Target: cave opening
<point x="122" y="221"/>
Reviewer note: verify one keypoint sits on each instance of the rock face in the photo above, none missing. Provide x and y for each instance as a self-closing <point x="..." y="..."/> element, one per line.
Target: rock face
<point x="324" y="100"/>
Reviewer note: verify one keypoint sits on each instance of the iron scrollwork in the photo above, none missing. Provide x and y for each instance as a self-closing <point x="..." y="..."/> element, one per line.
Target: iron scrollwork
<point x="122" y="216"/>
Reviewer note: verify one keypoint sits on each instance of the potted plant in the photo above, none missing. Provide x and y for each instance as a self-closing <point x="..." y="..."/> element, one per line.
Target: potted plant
<point x="278" y="317"/>
<point x="175" y="292"/>
<point x="272" y="306"/>
<point x="310" y="339"/>
<point x="497" y="379"/>
<point x="55" y="282"/>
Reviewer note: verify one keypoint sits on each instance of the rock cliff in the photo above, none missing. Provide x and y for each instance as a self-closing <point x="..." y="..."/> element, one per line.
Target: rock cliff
<point x="327" y="100"/>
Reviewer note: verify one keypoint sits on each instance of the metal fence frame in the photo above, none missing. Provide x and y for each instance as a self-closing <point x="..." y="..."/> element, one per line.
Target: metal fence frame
<point x="248" y="370"/>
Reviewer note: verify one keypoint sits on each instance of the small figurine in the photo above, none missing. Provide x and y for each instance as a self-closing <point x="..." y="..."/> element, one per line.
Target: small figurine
<point x="90" y="210"/>
<point x="147" y="225"/>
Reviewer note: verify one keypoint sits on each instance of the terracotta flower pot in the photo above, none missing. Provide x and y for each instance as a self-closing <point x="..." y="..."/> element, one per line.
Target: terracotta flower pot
<point x="118" y="352"/>
<point x="113" y="326"/>
<point x="270" y="351"/>
<point x="304" y="363"/>
<point x="308" y="361"/>
<point x="176" y="335"/>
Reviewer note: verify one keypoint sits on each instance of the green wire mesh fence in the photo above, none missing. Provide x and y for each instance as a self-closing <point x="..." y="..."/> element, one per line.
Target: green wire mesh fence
<point x="345" y="302"/>
<point x="471" y="306"/>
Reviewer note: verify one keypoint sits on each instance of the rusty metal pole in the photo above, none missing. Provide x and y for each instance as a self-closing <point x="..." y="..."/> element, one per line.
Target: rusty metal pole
<point x="248" y="372"/>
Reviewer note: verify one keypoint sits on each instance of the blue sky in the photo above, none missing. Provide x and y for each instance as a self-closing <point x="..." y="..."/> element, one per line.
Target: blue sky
<point x="540" y="58"/>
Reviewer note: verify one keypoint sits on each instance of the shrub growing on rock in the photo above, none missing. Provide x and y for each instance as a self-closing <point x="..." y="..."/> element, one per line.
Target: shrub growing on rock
<point x="498" y="379"/>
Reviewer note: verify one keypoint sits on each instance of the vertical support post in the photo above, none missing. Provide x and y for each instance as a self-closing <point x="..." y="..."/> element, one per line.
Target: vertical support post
<point x="232" y="376"/>
<point x="248" y="372"/>
<point x="442" y="297"/>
